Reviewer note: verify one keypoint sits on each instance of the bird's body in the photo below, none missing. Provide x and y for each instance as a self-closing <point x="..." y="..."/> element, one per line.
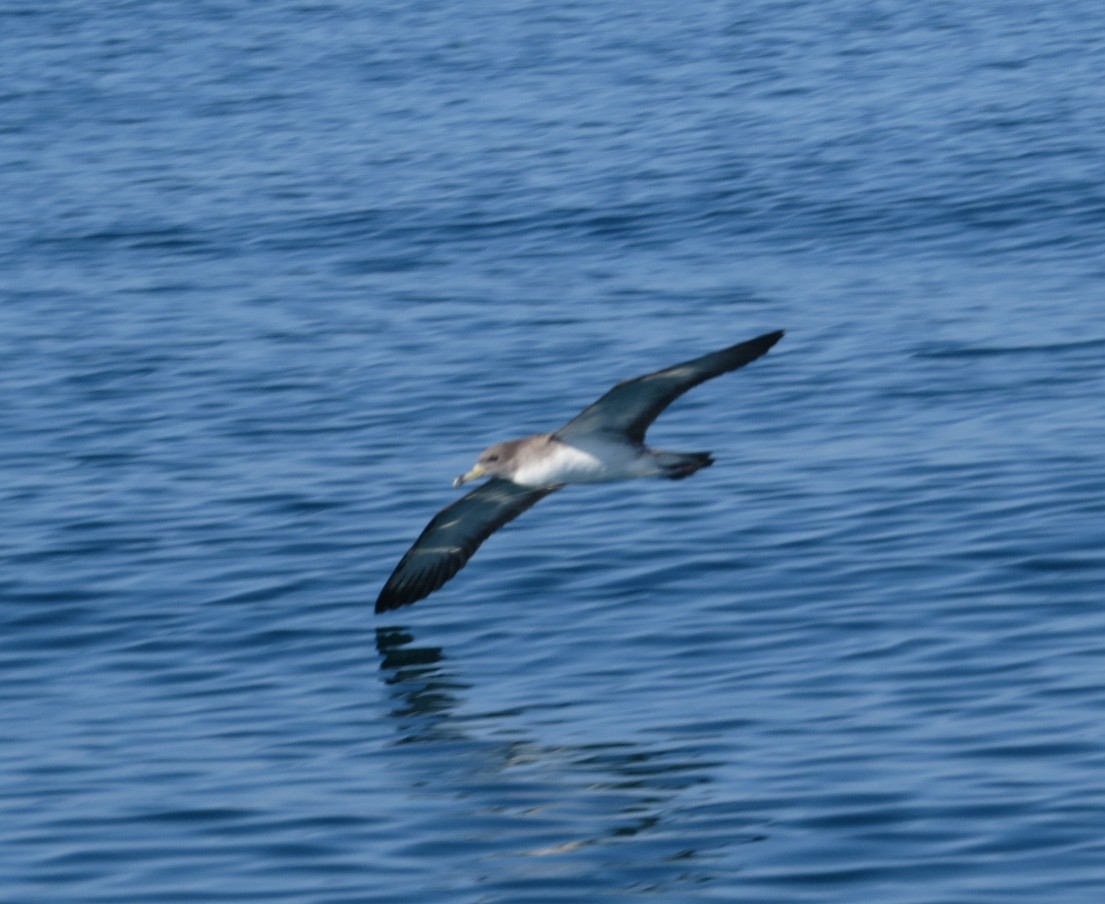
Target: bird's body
<point x="597" y="459"/>
<point x="605" y="442"/>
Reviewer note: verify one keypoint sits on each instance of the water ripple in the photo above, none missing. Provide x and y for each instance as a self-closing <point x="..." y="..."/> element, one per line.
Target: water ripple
<point x="275" y="276"/>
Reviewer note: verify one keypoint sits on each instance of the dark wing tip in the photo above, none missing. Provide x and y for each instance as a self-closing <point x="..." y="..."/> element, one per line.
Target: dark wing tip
<point x="395" y="598"/>
<point x="403" y="590"/>
<point x="769" y="339"/>
<point x="389" y="599"/>
<point x="752" y="349"/>
<point x="398" y="597"/>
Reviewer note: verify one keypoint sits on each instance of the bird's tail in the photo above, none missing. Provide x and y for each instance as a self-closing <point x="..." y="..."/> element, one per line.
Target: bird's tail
<point x="677" y="465"/>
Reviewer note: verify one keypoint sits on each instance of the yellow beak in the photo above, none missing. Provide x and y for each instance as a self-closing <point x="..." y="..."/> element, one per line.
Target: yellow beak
<point x="476" y="473"/>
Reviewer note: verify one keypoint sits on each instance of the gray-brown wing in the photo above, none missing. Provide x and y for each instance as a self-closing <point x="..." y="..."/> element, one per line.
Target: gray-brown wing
<point x="630" y="407"/>
<point x="452" y="536"/>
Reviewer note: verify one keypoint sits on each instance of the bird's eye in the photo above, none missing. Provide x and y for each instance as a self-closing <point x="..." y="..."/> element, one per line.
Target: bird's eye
<point x="492" y="457"/>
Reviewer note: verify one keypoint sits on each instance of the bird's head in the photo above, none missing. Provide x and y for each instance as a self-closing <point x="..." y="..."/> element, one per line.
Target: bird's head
<point x="494" y="461"/>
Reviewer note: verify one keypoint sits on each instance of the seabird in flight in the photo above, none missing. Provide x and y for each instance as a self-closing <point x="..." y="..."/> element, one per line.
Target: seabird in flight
<point x="605" y="442"/>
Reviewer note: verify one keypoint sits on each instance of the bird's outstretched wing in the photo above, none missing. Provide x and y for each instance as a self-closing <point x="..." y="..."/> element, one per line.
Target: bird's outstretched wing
<point x="452" y="536"/>
<point x="630" y="407"/>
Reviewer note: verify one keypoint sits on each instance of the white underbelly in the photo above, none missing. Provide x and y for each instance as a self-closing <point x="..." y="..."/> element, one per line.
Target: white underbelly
<point x="590" y="462"/>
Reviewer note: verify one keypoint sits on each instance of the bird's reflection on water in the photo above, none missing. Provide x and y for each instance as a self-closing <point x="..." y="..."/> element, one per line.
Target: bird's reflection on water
<point x="422" y="688"/>
<point x="527" y="798"/>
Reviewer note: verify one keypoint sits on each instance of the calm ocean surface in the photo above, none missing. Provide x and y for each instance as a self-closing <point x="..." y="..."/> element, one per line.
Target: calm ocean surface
<point x="271" y="275"/>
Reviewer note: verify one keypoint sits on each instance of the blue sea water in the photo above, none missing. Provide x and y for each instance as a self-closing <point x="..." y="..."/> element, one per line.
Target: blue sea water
<point x="272" y="274"/>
